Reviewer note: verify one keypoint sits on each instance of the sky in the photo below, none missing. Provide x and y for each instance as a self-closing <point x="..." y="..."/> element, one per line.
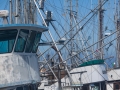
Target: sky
<point x="60" y="12"/>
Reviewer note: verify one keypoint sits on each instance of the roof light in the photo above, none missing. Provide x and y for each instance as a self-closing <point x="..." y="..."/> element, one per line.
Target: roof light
<point x="4" y="13"/>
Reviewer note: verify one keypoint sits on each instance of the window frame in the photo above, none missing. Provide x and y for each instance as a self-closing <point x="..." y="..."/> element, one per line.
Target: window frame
<point x="30" y="31"/>
<point x="12" y="48"/>
<point x="25" y="40"/>
<point x="38" y="42"/>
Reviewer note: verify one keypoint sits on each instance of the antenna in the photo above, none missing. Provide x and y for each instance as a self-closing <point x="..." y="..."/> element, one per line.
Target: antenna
<point x="41" y="3"/>
<point x="48" y="17"/>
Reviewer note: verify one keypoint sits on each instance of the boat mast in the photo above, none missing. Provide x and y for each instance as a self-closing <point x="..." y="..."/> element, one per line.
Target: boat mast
<point x="72" y="13"/>
<point x="100" y="34"/>
<point x="71" y="32"/>
<point x="16" y="13"/>
<point x="22" y="11"/>
<point x="118" y="32"/>
<point x="10" y="4"/>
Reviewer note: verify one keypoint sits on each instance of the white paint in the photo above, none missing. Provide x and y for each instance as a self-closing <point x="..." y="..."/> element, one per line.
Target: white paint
<point x="18" y="69"/>
<point x="113" y="74"/>
<point x="109" y="86"/>
<point x="94" y="74"/>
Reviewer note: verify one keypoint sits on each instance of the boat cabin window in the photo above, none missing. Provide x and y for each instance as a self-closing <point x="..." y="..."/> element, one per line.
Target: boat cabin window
<point x="36" y="42"/>
<point x="31" y="87"/>
<point x="116" y="86"/>
<point x="19" y="88"/>
<point x="27" y="41"/>
<point x="32" y="42"/>
<point x="26" y="88"/>
<point x="21" y="41"/>
<point x="7" y="40"/>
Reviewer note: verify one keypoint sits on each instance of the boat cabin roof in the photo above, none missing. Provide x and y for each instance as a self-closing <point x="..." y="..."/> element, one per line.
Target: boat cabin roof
<point x="92" y="62"/>
<point x="24" y="26"/>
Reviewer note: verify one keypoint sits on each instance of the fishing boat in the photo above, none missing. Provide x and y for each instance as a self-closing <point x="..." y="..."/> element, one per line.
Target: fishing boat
<point x="44" y="46"/>
<point x="88" y="58"/>
<point x="19" y="38"/>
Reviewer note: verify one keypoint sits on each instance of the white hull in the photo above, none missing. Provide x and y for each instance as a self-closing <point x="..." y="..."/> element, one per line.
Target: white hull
<point x="16" y="69"/>
<point x="96" y="74"/>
